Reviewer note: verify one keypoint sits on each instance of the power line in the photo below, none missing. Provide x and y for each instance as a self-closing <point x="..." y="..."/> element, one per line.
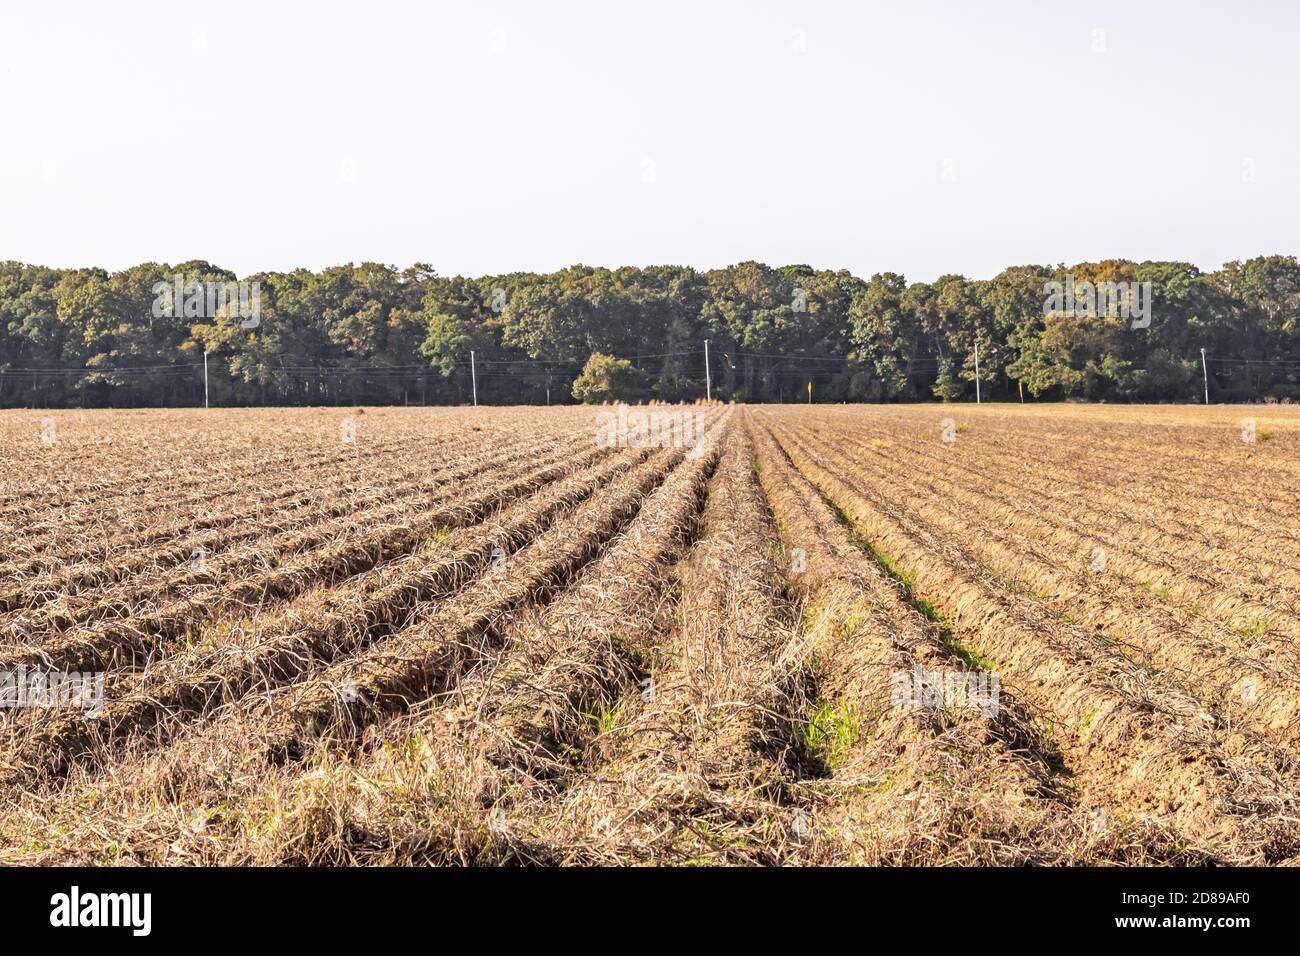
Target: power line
<point x="1281" y="363"/>
<point x="90" y="369"/>
<point x="549" y="364"/>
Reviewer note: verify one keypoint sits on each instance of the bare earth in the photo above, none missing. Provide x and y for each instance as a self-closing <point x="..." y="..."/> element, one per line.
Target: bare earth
<point x="824" y="635"/>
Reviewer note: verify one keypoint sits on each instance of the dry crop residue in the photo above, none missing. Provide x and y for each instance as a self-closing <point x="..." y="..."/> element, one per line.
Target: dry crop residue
<point x="819" y="635"/>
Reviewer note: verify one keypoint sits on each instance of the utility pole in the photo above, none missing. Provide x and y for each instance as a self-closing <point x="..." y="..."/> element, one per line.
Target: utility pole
<point x="977" y="371"/>
<point x="205" y="376"/>
<point x="473" y="376"/>
<point x="708" y="375"/>
<point x="1205" y="375"/>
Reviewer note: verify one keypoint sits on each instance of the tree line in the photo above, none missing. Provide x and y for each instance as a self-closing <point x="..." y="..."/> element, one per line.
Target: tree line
<point x="373" y="334"/>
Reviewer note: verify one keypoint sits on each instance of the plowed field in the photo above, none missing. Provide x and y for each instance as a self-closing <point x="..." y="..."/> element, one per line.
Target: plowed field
<point x="937" y="635"/>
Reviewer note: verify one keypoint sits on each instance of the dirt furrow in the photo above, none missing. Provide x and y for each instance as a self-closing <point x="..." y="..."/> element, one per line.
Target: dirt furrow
<point x="134" y="640"/>
<point x="194" y="681"/>
<point x="321" y="527"/>
<point x="1147" y="751"/>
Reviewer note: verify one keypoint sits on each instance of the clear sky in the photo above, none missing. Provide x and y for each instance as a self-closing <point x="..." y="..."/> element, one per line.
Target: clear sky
<point x="488" y="137"/>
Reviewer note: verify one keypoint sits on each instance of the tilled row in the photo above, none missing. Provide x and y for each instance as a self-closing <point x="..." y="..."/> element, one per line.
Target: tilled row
<point x="396" y="671"/>
<point x="268" y="545"/>
<point x="705" y="767"/>
<point x="530" y="717"/>
<point x="912" y="781"/>
<point x="1232" y="575"/>
<point x="133" y="640"/>
<point x="61" y="509"/>
<point x="163" y="478"/>
<point x="1184" y="486"/>
<point x="1139" y="747"/>
<point x="195" y="680"/>
<point x="71" y="541"/>
<point x="420" y="661"/>
<point x="1238" y="676"/>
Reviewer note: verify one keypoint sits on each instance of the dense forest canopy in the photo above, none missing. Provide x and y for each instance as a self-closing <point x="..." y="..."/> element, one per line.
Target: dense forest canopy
<point x="374" y="334"/>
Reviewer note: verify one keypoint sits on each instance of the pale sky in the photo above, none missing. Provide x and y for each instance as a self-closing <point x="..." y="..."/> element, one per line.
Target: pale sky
<point x="483" y="137"/>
